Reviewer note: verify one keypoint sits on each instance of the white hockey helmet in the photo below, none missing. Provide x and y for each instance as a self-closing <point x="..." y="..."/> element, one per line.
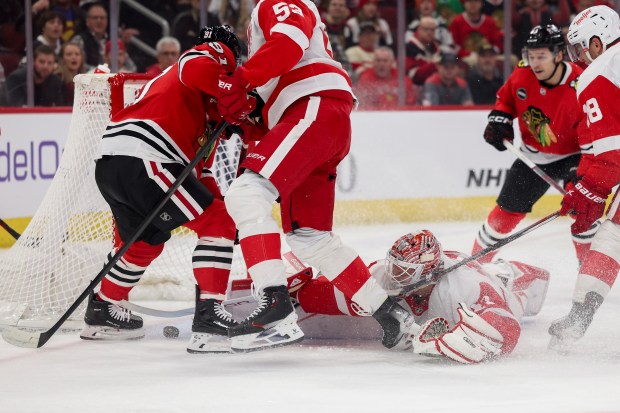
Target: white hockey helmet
<point x="412" y="261"/>
<point x="597" y="21"/>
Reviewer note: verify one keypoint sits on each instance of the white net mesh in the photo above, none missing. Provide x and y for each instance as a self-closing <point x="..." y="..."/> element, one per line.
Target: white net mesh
<point x="66" y="243"/>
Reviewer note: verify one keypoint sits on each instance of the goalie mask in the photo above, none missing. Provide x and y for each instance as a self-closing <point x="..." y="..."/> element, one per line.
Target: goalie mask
<point x="597" y="21"/>
<point x="223" y="34"/>
<point x="412" y="261"/>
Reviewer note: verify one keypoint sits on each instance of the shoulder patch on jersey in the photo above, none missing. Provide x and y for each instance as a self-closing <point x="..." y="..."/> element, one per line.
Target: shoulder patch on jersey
<point x="573" y="83"/>
<point x="522" y="93"/>
<point x="521" y="64"/>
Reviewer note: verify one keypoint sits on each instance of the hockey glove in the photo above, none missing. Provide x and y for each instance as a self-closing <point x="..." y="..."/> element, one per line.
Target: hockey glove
<point x="233" y="101"/>
<point x="498" y="129"/>
<point x="585" y="203"/>
<point x="472" y="340"/>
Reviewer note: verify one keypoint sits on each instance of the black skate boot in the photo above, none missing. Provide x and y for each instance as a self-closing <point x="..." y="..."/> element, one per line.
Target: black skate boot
<point x="396" y="322"/>
<point x="108" y="321"/>
<point x="210" y="328"/>
<point x="566" y="330"/>
<point x="272" y="324"/>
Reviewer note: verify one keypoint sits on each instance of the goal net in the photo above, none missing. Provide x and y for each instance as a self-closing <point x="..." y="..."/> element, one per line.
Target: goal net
<point x="65" y="245"/>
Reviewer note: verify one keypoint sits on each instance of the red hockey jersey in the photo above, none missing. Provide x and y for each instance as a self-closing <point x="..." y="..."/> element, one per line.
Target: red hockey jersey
<point x="599" y="96"/>
<point x="289" y="56"/>
<point x="168" y="121"/>
<point x="546" y="114"/>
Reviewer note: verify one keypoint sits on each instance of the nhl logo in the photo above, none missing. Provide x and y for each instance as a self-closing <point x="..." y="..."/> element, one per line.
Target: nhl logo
<point x="521" y="93"/>
<point x="543" y="91"/>
<point x="165" y="216"/>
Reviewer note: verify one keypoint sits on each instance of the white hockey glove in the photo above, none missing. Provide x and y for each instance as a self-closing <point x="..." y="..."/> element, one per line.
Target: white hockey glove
<point x="472" y="340"/>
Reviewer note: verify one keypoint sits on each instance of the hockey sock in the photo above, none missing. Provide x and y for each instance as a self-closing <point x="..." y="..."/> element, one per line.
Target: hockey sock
<point x="212" y="260"/>
<point x="598" y="273"/>
<point x="119" y="281"/>
<point x="498" y="226"/>
<point x="263" y="260"/>
<point x="319" y="296"/>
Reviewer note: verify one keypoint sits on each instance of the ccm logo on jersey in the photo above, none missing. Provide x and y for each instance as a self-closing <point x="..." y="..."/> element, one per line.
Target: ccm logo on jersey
<point x="223" y="85"/>
<point x="589" y="194"/>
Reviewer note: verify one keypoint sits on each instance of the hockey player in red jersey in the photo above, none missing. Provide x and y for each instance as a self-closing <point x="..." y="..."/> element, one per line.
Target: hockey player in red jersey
<point x="477" y="304"/>
<point x="308" y="101"/>
<point x="541" y="93"/>
<point x="594" y="38"/>
<point x="144" y="148"/>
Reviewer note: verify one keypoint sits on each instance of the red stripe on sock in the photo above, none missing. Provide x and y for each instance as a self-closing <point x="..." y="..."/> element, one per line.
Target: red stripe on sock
<point x="261" y="247"/>
<point x="352" y="278"/>
<point x="601" y="266"/>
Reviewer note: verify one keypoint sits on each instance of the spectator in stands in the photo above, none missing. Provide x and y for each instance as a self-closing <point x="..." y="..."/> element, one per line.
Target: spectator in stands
<point x="123" y="66"/>
<point x="72" y="14"/>
<point x="47" y="87"/>
<point x="235" y="13"/>
<point x="377" y="87"/>
<point x="369" y="12"/>
<point x="186" y="25"/>
<point x="51" y="27"/>
<point x="446" y="87"/>
<point x="484" y="79"/>
<point x="535" y="13"/>
<point x="168" y="52"/>
<point x="448" y="9"/>
<point x="335" y="19"/>
<point x="70" y="64"/>
<point x="362" y="55"/>
<point x="428" y="8"/>
<point x="423" y="51"/>
<point x="94" y="37"/>
<point x="471" y="28"/>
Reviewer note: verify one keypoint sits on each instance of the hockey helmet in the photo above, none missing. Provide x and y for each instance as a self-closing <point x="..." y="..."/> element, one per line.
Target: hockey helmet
<point x="412" y="261"/>
<point x="548" y="36"/>
<point x="223" y="34"/>
<point x="597" y="21"/>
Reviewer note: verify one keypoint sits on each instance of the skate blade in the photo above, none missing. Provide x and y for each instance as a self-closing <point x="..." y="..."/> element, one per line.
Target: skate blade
<point x="110" y="333"/>
<point x="284" y="333"/>
<point x="560" y="346"/>
<point x="206" y="343"/>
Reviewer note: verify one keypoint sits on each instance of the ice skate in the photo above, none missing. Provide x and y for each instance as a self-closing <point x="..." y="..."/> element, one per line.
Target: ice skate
<point x="210" y="328"/>
<point x="108" y="321"/>
<point x="272" y="324"/>
<point x="396" y="323"/>
<point x="566" y="330"/>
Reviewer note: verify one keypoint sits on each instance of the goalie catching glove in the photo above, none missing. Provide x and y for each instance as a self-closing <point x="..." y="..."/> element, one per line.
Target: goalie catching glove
<point x="472" y="340"/>
<point x="498" y="129"/>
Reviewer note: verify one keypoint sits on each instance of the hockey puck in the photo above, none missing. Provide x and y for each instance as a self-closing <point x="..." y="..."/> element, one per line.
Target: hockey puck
<point x="171" y="332"/>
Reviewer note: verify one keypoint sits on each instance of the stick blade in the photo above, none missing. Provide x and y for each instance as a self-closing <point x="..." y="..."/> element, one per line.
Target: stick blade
<point x="22" y="338"/>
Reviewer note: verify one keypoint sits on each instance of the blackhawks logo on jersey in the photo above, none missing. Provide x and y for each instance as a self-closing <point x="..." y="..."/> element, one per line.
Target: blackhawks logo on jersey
<point x="538" y="124"/>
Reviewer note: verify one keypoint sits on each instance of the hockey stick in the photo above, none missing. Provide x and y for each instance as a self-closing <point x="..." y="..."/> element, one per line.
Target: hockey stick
<point x="181" y="312"/>
<point x="10" y="230"/>
<point x="32" y="339"/>
<point x="501" y="243"/>
<point x="533" y="167"/>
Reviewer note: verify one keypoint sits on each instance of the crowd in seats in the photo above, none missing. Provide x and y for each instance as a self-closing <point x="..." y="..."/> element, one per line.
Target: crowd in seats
<point x="437" y="31"/>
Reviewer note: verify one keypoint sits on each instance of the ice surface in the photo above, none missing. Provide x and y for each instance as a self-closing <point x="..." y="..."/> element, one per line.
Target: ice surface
<point x="157" y="375"/>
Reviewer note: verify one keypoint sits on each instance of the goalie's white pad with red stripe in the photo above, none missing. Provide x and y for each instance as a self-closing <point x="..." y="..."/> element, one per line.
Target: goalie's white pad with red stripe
<point x="471" y="341"/>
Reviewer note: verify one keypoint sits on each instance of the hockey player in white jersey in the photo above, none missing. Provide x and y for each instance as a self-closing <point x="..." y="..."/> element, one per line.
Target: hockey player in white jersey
<point x="594" y="37"/>
<point x="468" y="315"/>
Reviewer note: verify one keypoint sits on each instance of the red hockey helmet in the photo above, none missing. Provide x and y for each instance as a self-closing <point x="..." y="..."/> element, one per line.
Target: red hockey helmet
<point x="413" y="259"/>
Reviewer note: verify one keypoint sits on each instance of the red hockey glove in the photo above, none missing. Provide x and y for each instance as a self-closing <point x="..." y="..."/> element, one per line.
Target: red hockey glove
<point x="233" y="101"/>
<point x="585" y="203"/>
<point x="498" y="129"/>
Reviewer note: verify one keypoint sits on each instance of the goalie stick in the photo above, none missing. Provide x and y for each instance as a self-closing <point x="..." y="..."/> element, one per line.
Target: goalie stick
<point x="10" y="230"/>
<point x="533" y="167"/>
<point x="287" y="256"/>
<point x="35" y="339"/>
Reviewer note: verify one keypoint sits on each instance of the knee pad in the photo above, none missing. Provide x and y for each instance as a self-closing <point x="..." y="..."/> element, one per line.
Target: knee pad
<point x="249" y="200"/>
